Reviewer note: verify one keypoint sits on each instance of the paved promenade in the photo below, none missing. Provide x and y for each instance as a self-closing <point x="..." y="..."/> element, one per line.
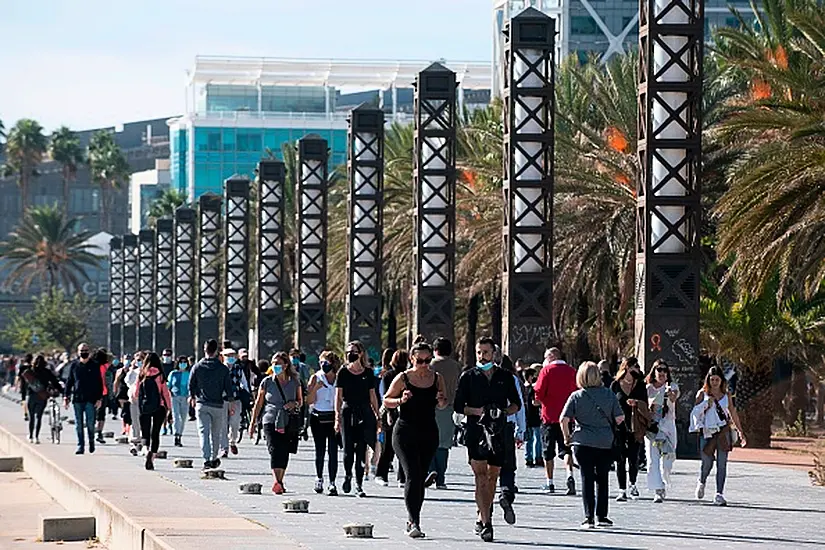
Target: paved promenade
<point x="769" y="507"/>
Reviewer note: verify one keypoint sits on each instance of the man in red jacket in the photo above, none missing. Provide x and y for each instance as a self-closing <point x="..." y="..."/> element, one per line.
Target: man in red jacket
<point x="557" y="380"/>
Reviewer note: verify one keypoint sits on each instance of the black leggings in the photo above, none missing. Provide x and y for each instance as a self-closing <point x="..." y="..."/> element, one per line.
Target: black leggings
<point x="630" y="455"/>
<point x="595" y="467"/>
<point x="323" y="434"/>
<point x="355" y="446"/>
<point x="415" y="446"/>
<point x="36" y="408"/>
<point x="150" y="425"/>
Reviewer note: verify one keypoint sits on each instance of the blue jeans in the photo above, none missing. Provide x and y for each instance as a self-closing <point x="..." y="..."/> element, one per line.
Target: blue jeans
<point x="180" y="412"/>
<point x="721" y="460"/>
<point x="84" y="413"/>
<point x="211" y="428"/>
<point x="439" y="465"/>
<point x="532" y="444"/>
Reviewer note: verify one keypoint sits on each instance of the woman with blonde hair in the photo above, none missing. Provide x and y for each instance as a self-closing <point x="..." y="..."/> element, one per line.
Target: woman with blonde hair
<point x="596" y="413"/>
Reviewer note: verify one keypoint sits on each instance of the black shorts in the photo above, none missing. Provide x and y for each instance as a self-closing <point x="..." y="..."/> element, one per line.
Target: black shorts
<point x="100" y="413"/>
<point x="552" y="442"/>
<point x="479" y="450"/>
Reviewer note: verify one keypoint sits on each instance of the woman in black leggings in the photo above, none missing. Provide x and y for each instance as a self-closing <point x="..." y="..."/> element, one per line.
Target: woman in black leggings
<point x="356" y="414"/>
<point x="321" y="398"/>
<point x="398" y="364"/>
<point x="416" y="393"/>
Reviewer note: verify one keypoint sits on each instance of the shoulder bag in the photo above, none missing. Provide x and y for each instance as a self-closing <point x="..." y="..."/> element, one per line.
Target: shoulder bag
<point x="293" y="422"/>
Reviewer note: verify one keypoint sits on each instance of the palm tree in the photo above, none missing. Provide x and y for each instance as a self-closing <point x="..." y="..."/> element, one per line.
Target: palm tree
<point x="109" y="170"/>
<point x="65" y="148"/>
<point x="773" y="216"/>
<point x="166" y="204"/>
<point x="46" y="248"/>
<point x="25" y="148"/>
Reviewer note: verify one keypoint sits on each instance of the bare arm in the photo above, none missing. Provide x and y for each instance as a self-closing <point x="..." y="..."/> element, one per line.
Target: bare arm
<point x="442" y="395"/>
<point x="256" y="410"/>
<point x="392" y="397"/>
<point x="299" y="396"/>
<point x="565" y="428"/>
<point x="339" y="404"/>
<point x="312" y="391"/>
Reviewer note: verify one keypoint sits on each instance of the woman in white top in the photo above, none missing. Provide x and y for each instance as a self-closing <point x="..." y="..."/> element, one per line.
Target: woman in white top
<point x="321" y="397"/>
<point x="662" y="394"/>
<point x="712" y="417"/>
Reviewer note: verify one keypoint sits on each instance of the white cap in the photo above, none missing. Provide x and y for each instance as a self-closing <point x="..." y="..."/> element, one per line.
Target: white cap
<point x="227" y="351"/>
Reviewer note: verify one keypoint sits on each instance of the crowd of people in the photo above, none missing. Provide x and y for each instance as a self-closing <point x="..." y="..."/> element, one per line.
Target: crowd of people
<point x="415" y="405"/>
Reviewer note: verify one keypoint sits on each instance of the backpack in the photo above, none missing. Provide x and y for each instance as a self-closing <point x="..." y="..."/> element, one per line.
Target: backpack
<point x="149" y="395"/>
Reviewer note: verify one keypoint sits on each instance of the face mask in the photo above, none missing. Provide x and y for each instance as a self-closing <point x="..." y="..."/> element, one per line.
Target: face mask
<point x="116" y="362"/>
<point x="84" y="354"/>
<point x="277" y="369"/>
<point x="353" y="356"/>
<point x="296" y="361"/>
<point x="183" y="366"/>
<point x="167" y="360"/>
<point x="127" y="362"/>
<point x="485" y="366"/>
<point x="230" y="360"/>
<point x="326" y="366"/>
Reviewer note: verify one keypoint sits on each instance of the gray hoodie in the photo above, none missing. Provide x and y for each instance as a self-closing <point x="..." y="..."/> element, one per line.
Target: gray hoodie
<point x="210" y="382"/>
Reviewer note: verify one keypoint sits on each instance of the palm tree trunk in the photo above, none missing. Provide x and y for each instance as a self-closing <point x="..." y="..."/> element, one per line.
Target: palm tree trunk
<point x="472" y="329"/>
<point x="104" y="207"/>
<point x="495" y="317"/>
<point x="755" y="403"/>
<point x="24" y="186"/>
<point x="583" y="351"/>
<point x="66" y="190"/>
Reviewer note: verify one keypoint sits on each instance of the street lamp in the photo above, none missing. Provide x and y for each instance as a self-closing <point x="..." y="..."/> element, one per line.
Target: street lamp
<point x="434" y="180"/>
<point x="183" y="329"/>
<point x="209" y="275"/>
<point x="130" y="293"/>
<point x="146" y="288"/>
<point x="311" y="249"/>
<point x="527" y="296"/>
<point x="236" y="249"/>
<point x="270" y="319"/>
<point x="669" y="189"/>
<point x="115" y="294"/>
<point x="164" y="299"/>
<point x="365" y="228"/>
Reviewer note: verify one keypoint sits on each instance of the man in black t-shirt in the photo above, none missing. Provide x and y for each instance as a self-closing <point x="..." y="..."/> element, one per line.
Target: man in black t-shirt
<point x="487" y="395"/>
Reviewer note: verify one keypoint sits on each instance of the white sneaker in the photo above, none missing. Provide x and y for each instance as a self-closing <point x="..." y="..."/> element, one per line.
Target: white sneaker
<point x="37" y="441"/>
<point x="658" y="498"/>
<point x="31" y="440"/>
<point x="700" y="491"/>
<point x="720" y="500"/>
<point x="634" y="491"/>
<point x="381" y="482"/>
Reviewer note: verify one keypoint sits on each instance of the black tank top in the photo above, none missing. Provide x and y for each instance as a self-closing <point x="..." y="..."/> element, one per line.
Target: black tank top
<point x="420" y="408"/>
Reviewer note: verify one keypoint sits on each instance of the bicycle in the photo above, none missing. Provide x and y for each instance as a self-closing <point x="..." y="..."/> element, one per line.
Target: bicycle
<point x="55" y="420"/>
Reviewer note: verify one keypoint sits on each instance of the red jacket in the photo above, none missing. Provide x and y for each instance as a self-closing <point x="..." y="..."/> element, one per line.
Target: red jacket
<point x="557" y="380"/>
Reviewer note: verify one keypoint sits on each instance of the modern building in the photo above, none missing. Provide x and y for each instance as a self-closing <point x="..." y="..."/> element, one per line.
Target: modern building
<point x="602" y="27"/>
<point x="242" y="109"/>
<point x="144" y="188"/>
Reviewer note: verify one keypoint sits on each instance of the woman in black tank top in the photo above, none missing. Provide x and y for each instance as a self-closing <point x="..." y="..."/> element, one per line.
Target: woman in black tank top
<point x="416" y="392"/>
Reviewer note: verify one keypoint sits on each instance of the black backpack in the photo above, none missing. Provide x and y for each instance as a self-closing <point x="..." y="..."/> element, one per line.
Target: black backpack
<point x="149" y="395"/>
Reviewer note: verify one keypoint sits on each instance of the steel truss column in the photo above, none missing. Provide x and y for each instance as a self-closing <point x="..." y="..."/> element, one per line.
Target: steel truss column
<point x="434" y="179"/>
<point x="183" y="328"/>
<point x="236" y="249"/>
<point x="146" y="289"/>
<point x="527" y="286"/>
<point x="115" y="294"/>
<point x="365" y="225"/>
<point x="130" y="294"/>
<point x="164" y="297"/>
<point x="669" y="188"/>
<point x="210" y="242"/>
<point x="311" y="249"/>
<point x="270" y="319"/>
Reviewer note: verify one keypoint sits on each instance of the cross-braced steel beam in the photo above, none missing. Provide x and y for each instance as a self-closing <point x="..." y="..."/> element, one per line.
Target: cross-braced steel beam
<point x="210" y="241"/>
<point x="236" y="264"/>
<point x="270" y="318"/>
<point x="146" y="288"/>
<point x="130" y="294"/>
<point x="164" y="298"/>
<point x="115" y="294"/>
<point x="183" y="327"/>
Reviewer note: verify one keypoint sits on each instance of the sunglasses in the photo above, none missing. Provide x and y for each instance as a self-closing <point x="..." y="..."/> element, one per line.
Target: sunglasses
<point x="662" y="369"/>
<point x="423" y="361"/>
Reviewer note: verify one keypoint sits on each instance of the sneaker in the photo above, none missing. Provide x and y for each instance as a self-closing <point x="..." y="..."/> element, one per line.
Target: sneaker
<point x="91" y="446"/>
<point x="165" y="431"/>
<point x="224" y="453"/>
<point x="487" y="533"/>
<point x="529" y="463"/>
<point x="133" y="451"/>
<point x="431" y="477"/>
<point x="643" y="468"/>
<point x="178" y="441"/>
<point x="700" y="491"/>
<point x="216" y="462"/>
<point x="588" y="523"/>
<point x="548" y="488"/>
<point x="658" y="498"/>
<point x="332" y="490"/>
<point x="509" y="513"/>
<point x="604" y="522"/>
<point x="37" y="441"/>
<point x="414" y="531"/>
<point x="571" y="486"/>
<point x="478" y="528"/>
<point x="442" y="487"/>
<point x="207" y="465"/>
<point x="634" y="491"/>
<point x="622" y="497"/>
<point x="150" y="465"/>
<point x="719" y="500"/>
<point x="277" y="488"/>
<point x="381" y="481"/>
<point x="359" y="491"/>
<point x="234" y="449"/>
<point x="79" y="451"/>
<point x="319" y="485"/>
<point x="31" y="439"/>
<point x="347" y="485"/>
<point x="114" y="417"/>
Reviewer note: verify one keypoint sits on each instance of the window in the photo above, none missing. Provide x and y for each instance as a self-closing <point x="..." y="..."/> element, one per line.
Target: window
<point x="626" y="21"/>
<point x="583" y="24"/>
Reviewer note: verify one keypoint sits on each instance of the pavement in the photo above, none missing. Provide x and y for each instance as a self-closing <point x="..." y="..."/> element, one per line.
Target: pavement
<point x="769" y="507"/>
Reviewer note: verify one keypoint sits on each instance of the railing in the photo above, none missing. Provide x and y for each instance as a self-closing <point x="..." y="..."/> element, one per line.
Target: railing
<point x="238" y="116"/>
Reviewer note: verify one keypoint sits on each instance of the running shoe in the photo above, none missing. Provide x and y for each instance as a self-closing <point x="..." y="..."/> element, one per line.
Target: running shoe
<point x="659" y="497"/>
<point x="431" y="477"/>
<point x="360" y="491"/>
<point x="332" y="490"/>
<point x="347" y="485"/>
<point x="622" y="497"/>
<point x="588" y="523"/>
<point x="277" y="488"/>
<point x="487" y="533"/>
<point x="234" y="449"/>
<point x="414" y="531"/>
<point x="720" y="500"/>
<point x="319" y="485"/>
<point x="478" y="528"/>
<point x="548" y="488"/>
<point x="700" y="491"/>
<point x="509" y="513"/>
<point x="381" y="481"/>
<point x="571" y="486"/>
<point x="634" y="491"/>
<point x="605" y="522"/>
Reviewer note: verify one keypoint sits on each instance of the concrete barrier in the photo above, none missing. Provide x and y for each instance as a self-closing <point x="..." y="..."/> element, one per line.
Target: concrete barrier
<point x="11" y="463"/>
<point x="67" y="527"/>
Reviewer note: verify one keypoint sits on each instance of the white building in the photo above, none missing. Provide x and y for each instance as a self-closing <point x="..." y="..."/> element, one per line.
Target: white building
<point x="145" y="187"/>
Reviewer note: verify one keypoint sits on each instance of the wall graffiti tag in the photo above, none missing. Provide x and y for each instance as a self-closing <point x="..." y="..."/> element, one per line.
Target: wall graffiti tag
<point x="535" y="335"/>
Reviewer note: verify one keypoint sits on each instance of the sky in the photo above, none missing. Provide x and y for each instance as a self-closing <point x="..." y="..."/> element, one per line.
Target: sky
<point x="94" y="63"/>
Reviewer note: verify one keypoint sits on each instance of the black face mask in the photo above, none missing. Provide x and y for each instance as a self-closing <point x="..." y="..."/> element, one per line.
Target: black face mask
<point x="84" y="354"/>
<point x="353" y="356"/>
<point x="326" y="367"/>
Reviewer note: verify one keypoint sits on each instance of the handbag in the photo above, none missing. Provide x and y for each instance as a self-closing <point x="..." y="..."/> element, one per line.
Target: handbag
<point x="293" y="423"/>
<point x="618" y="443"/>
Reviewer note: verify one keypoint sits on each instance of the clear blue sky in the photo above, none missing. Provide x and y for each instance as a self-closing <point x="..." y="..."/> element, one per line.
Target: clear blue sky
<point x="89" y="63"/>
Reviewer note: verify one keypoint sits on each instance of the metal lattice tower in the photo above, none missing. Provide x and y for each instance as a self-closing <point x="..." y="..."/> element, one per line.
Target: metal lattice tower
<point x="365" y="228"/>
<point x="311" y="249"/>
<point x="130" y="294"/>
<point x="146" y="289"/>
<point x="164" y="297"/>
<point x="270" y="318"/>
<point x="669" y="189"/>
<point x="434" y="180"/>
<point x="236" y="249"/>
<point x="183" y="327"/>
<point x="115" y="294"/>
<point x="209" y="275"/>
<point x="527" y="286"/>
